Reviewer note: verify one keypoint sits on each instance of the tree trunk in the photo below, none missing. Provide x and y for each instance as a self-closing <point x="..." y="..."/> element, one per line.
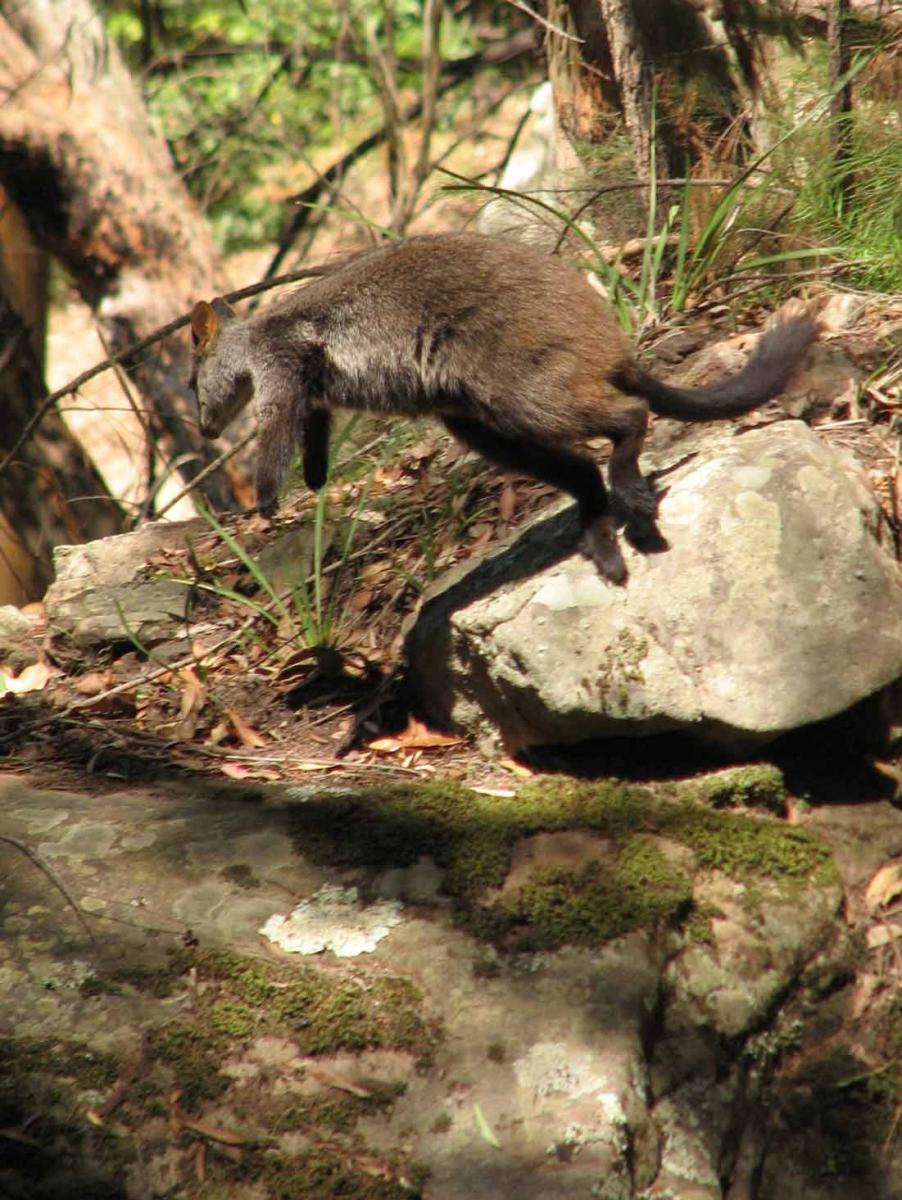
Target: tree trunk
<point x="79" y="158"/>
<point x="51" y="493"/>
<point x="632" y="71"/>
<point x="603" y="59"/>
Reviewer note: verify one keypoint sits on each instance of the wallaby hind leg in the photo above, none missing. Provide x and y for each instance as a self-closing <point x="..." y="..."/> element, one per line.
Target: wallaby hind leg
<point x="313" y="435"/>
<point x="635" y="496"/>
<point x="565" y="469"/>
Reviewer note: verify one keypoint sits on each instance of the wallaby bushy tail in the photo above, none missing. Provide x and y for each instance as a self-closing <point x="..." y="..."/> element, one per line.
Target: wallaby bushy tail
<point x="775" y="358"/>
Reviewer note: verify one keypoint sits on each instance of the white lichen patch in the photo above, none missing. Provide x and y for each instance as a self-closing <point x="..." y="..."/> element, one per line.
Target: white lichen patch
<point x="550" y="1068"/>
<point x="333" y="919"/>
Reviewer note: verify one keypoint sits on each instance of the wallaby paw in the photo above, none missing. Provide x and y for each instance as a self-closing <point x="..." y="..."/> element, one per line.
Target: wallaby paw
<point x="644" y="535"/>
<point x="267" y="509"/>
<point x="599" y="542"/>
<point x="314" y="479"/>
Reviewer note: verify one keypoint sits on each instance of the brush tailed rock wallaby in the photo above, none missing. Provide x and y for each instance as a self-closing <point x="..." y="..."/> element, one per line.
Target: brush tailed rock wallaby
<point x="515" y="352"/>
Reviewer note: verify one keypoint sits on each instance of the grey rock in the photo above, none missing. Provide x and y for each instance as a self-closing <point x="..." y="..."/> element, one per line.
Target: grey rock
<point x="18" y="645"/>
<point x="778" y="604"/>
<point x="102" y="593"/>
<point x="105" y="592"/>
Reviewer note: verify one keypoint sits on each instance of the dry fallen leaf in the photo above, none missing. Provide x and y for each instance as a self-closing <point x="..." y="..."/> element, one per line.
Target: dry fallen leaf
<point x="384" y="745"/>
<point x="194" y="696"/>
<point x="885" y="886"/>
<point x="94" y="683"/>
<point x="33" y="678"/>
<point x="515" y="768"/>
<point x="507" y="502"/>
<point x="227" y="1137"/>
<point x="218" y="733"/>
<point x="331" y="1079"/>
<point x="246" y="734"/>
<point x="880" y="935"/>
<point x="415" y="737"/>
<point x="418" y="736"/>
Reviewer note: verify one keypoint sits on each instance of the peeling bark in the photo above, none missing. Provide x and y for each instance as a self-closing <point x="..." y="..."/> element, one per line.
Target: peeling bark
<point x="51" y="494"/>
<point x="80" y="159"/>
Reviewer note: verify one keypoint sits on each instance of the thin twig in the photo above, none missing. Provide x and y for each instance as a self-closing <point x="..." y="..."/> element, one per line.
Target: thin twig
<point x="44" y="866"/>
<point x="217" y="462"/>
<point x="530" y="12"/>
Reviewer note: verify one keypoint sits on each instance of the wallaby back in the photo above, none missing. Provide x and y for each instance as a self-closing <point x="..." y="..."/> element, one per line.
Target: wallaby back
<point x="513" y="350"/>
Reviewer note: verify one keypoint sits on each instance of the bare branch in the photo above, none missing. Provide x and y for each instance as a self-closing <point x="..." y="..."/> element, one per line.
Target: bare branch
<point x="539" y="19"/>
<point x="455" y="73"/>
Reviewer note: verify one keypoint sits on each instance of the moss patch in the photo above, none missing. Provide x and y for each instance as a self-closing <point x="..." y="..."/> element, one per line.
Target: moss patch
<point x="757" y="786"/>
<point x="321" y="1012"/>
<point x="63" y="1059"/>
<point x="591" y="905"/>
<point x="201" y="1078"/>
<point x="326" y="1172"/>
<point x="46" y="1086"/>
<point x="473" y="837"/>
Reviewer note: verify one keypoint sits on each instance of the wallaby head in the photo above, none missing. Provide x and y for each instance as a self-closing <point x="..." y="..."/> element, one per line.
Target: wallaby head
<point x="514" y="351"/>
<point x="220" y="377"/>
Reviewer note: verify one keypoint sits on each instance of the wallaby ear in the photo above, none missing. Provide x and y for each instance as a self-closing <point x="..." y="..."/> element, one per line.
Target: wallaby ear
<point x="223" y="309"/>
<point x="204" y="325"/>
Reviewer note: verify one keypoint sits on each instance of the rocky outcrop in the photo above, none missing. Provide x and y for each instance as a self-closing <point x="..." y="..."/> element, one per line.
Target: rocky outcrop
<point x="777" y="604"/>
<point x="694" y="1018"/>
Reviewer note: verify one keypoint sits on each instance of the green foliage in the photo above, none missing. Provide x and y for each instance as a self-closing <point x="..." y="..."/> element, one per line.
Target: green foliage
<point x="246" y="91"/>
<point x="310" y="615"/>
<point x="867" y="229"/>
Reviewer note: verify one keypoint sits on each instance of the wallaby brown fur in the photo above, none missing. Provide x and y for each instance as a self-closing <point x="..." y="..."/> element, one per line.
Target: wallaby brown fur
<point x="514" y="351"/>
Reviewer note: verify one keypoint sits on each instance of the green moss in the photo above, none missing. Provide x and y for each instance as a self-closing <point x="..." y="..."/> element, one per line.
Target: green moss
<point x="442" y="1123"/>
<point x="757" y="786"/>
<point x="241" y="875"/>
<point x="157" y="981"/>
<point x="322" y="1012"/>
<point x="324" y="1173"/>
<point x="326" y="1014"/>
<point x="697" y="925"/>
<point x="333" y="1112"/>
<point x="94" y="985"/>
<point x="744" y="847"/>
<point x="251" y="980"/>
<point x="194" y="1057"/>
<point x="473" y="836"/>
<point x="232" y="1018"/>
<point x="591" y="904"/>
<point x="624" y="665"/>
<point x="63" y="1059"/>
